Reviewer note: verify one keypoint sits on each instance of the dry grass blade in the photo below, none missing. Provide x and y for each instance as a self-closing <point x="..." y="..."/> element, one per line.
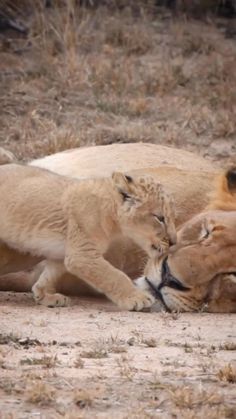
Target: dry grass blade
<point x="83" y="398"/>
<point x="227" y="374"/>
<point x="94" y="353"/>
<point x="46" y="361"/>
<point x="188" y="397"/>
<point x="40" y="393"/>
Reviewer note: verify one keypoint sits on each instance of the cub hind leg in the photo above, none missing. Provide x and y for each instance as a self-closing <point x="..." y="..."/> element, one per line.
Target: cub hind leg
<point x="44" y="290"/>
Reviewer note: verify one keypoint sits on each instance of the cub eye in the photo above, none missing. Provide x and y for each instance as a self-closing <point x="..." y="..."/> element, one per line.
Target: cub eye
<point x="160" y="218"/>
<point x="125" y="196"/>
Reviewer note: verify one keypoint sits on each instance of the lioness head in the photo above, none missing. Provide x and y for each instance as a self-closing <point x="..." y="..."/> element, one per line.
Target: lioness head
<point x="200" y="270"/>
<point x="146" y="212"/>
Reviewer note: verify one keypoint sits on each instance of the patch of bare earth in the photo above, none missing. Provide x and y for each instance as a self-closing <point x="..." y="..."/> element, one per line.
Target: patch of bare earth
<point x="93" y="361"/>
<point x="85" y="77"/>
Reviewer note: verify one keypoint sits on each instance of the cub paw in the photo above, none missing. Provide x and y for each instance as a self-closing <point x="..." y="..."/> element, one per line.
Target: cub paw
<point x="54" y="300"/>
<point x="136" y="301"/>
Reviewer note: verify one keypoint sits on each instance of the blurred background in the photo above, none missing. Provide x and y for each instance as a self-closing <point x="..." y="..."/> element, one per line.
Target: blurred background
<point x="76" y="73"/>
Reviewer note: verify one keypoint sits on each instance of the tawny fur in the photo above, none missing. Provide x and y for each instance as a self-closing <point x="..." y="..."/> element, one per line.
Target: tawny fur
<point x="72" y="223"/>
<point x="190" y="189"/>
<point x="222" y="197"/>
<point x="204" y="259"/>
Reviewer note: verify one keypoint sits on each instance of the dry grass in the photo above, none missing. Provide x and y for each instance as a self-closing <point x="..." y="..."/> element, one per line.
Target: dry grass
<point x="150" y="342"/>
<point x="156" y="382"/>
<point x="46" y="361"/>
<point x="83" y="398"/>
<point x="113" y="344"/>
<point x="228" y="346"/>
<point x="96" y="353"/>
<point x="40" y="393"/>
<point x="127" y="371"/>
<point x="227" y="374"/>
<point x="95" y="76"/>
<point x="103" y="347"/>
<point x="79" y="363"/>
<point x="10" y="386"/>
<point x="208" y="412"/>
<point x="189" y="397"/>
<point x="5" y="339"/>
<point x="88" y="396"/>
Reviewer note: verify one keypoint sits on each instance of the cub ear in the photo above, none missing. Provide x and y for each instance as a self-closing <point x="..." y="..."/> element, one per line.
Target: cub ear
<point x="231" y="180"/>
<point x="123" y="184"/>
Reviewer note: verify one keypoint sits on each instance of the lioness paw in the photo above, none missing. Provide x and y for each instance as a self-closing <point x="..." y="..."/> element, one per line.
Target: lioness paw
<point x="136" y="301"/>
<point x="54" y="300"/>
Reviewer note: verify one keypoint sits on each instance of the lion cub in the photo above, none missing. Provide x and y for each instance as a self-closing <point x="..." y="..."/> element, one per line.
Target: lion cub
<point x="71" y="223"/>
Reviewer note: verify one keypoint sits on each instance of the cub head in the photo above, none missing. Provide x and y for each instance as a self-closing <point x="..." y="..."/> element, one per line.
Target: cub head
<point x="146" y="212"/>
<point x="200" y="270"/>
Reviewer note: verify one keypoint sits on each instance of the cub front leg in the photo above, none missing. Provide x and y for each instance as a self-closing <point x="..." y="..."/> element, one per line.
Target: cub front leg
<point x="44" y="290"/>
<point x="108" y="280"/>
<point x="84" y="261"/>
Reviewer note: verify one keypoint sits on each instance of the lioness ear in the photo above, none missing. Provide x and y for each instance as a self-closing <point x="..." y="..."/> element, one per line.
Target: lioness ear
<point x="123" y="183"/>
<point x="231" y="180"/>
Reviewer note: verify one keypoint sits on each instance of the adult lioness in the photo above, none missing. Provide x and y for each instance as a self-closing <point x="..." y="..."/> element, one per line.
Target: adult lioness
<point x="71" y="223"/>
<point x="200" y="271"/>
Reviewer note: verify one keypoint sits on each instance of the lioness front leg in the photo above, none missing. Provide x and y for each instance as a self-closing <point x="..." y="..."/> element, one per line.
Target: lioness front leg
<point x="44" y="290"/>
<point x="84" y="261"/>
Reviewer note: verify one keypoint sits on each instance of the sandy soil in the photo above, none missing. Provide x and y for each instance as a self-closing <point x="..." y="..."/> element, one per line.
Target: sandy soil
<point x="92" y="361"/>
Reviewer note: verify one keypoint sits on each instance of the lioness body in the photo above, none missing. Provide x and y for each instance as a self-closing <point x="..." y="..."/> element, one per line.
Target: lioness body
<point x="101" y="161"/>
<point x="71" y="223"/>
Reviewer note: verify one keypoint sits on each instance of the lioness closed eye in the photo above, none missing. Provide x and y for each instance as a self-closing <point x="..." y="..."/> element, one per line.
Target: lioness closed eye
<point x="71" y="223"/>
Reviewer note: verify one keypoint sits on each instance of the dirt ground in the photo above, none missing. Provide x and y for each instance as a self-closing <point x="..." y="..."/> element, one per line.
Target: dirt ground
<point x="98" y="77"/>
<point x="92" y="361"/>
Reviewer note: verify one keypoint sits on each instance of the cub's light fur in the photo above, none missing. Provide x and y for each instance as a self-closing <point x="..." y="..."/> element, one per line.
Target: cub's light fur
<point x="186" y="176"/>
<point x="72" y="223"/>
